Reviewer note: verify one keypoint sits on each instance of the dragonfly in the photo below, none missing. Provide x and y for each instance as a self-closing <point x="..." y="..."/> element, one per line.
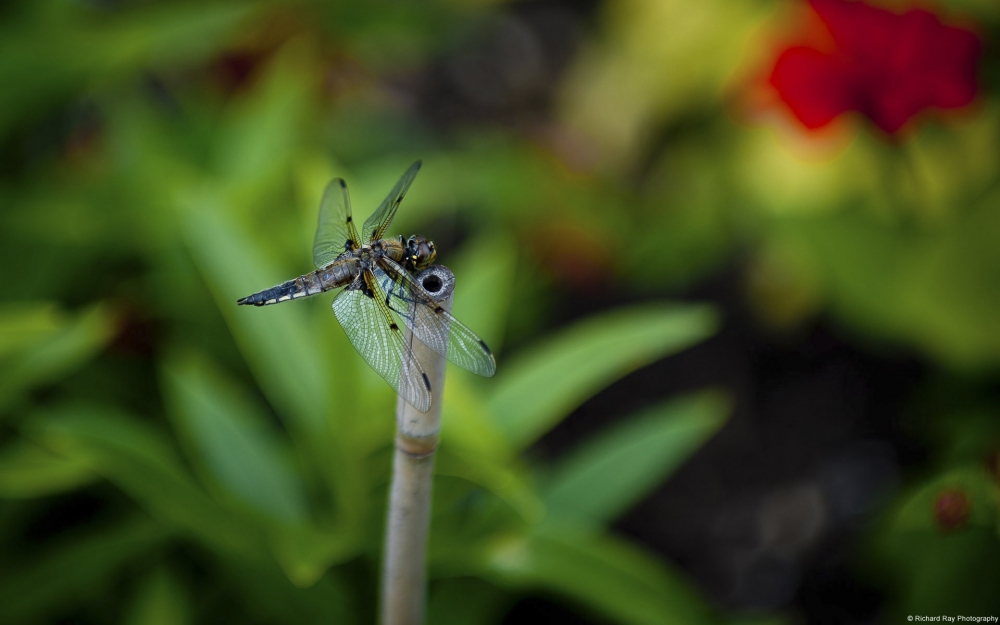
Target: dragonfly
<point x="379" y="292"/>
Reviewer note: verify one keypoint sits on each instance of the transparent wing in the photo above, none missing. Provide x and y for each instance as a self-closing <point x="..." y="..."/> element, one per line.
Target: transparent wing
<point x="378" y="223"/>
<point x="433" y="325"/>
<point x="374" y="333"/>
<point x="335" y="233"/>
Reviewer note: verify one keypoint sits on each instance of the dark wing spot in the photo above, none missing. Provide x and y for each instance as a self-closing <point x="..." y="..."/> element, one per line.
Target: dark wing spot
<point x="394" y="327"/>
<point x="343" y="185"/>
<point x="486" y="347"/>
<point x="427" y="382"/>
<point x="350" y="219"/>
<point x="438" y="310"/>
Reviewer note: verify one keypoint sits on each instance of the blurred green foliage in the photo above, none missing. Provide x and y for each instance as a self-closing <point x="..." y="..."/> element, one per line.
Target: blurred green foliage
<point x="145" y="187"/>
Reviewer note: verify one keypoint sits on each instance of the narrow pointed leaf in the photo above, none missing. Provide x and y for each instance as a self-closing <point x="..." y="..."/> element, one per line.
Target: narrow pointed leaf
<point x="27" y="470"/>
<point x="484" y="283"/>
<point x="599" y="573"/>
<point x="535" y="391"/>
<point x="303" y="366"/>
<point x="473" y="449"/>
<point x="616" y="468"/>
<point x="231" y="439"/>
<point x="261" y="133"/>
<point x="56" y="353"/>
<point x="918" y="509"/>
<point x="140" y="461"/>
<point x="275" y="339"/>
<point x="23" y="324"/>
<point x="160" y="600"/>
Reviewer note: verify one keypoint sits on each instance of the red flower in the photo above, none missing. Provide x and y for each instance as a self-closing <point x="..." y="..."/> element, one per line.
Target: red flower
<point x="887" y="66"/>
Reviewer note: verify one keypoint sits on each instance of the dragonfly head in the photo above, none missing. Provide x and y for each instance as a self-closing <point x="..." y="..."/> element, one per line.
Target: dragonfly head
<point x="420" y="252"/>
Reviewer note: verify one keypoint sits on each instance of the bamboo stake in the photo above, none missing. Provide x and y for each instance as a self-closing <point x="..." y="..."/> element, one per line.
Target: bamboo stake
<point x="404" y="565"/>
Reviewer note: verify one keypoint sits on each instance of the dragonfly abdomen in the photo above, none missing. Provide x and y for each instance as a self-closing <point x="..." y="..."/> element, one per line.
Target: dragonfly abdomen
<point x="336" y="275"/>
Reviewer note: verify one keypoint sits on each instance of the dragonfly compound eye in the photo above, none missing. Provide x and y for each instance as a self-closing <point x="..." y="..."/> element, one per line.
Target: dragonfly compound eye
<point x="420" y="252"/>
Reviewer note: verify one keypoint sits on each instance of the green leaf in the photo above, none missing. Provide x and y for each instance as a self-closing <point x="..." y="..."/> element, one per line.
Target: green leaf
<point x="599" y="572"/>
<point x="27" y="470"/>
<point x="917" y="512"/>
<point x="535" y="390"/>
<point x="51" y="59"/>
<point x="231" y="438"/>
<point x="55" y="353"/>
<point x="23" y="324"/>
<point x="160" y="601"/>
<point x="510" y="482"/>
<point x="262" y="131"/>
<point x="616" y="468"/>
<point x="285" y="359"/>
<point x="484" y="282"/>
<point x="473" y="449"/>
<point x="74" y="571"/>
<point x="916" y="549"/>
<point x="936" y="288"/>
<point x="140" y="461"/>
<point x="304" y="364"/>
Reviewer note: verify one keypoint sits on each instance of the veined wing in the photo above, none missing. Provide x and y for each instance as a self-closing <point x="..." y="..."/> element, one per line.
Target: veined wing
<point x="374" y="333"/>
<point x="378" y="223"/>
<point x="433" y="325"/>
<point x="335" y="233"/>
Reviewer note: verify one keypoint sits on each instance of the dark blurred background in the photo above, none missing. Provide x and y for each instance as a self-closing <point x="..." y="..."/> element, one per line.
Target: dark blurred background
<point x="738" y="259"/>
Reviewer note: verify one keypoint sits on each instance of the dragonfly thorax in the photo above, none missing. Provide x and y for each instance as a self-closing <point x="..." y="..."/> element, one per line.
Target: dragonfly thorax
<point x="414" y="254"/>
